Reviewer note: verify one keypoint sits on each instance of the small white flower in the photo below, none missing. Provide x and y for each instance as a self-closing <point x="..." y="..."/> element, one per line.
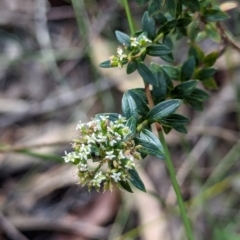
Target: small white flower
<point x="90" y="139"/>
<point x="120" y="51"/>
<point x="146" y="39"/>
<point x="90" y="123"/>
<point x="101" y="138"/>
<point x="129" y="165"/>
<point x="118" y="136"/>
<point x="110" y="129"/>
<point x="83" y="167"/>
<point x="121" y="155"/>
<point x="116" y="176"/>
<point x="70" y="157"/>
<point x="110" y="155"/>
<point x="98" y="178"/>
<point x="112" y="142"/>
<point x="104" y="118"/>
<point x="80" y="125"/>
<point x="134" y="42"/>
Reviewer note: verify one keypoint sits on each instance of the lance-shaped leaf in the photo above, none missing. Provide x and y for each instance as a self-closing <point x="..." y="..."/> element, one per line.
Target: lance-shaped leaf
<point x="214" y="15"/>
<point x="187" y="69"/>
<point x="193" y="5"/>
<point x="158" y="50"/>
<point x="146" y="74"/>
<point x="211" y="58"/>
<point x="205" y="73"/>
<point x="140" y="100"/>
<point x="132" y="124"/>
<point x="148" y="25"/>
<point x="131" y="67"/>
<point x="163" y="109"/>
<point x="175" y="121"/>
<point x="141" y="2"/>
<point x="123" y="38"/>
<point x="184" y="89"/>
<point x="125" y="185"/>
<point x="155" y="6"/>
<point x="129" y="107"/>
<point x="210" y="83"/>
<point x="171" y="6"/>
<point x="136" y="180"/>
<point x="150" y="144"/>
<point x="172" y="72"/>
<point x="105" y="64"/>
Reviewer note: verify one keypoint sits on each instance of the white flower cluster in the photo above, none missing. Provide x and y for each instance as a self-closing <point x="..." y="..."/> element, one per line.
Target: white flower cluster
<point x="140" y="41"/>
<point x="107" y="143"/>
<point x="122" y="53"/>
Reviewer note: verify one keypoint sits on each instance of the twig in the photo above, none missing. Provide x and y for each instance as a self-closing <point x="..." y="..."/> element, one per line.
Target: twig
<point x="73" y="227"/>
<point x="26" y="147"/>
<point x="225" y="37"/>
<point x="10" y="230"/>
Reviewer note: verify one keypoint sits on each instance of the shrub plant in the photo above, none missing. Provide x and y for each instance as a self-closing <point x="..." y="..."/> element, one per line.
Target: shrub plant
<point x="115" y="142"/>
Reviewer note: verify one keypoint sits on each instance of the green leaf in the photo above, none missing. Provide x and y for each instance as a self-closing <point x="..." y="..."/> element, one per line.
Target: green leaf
<point x="106" y="64"/>
<point x="166" y="129"/>
<point x="146" y="73"/>
<point x="132" y="124"/>
<point x="194" y="103"/>
<point x="123" y="38"/>
<point x="211" y="58"/>
<point x="141" y="2"/>
<point x="167" y="27"/>
<point x="197" y="53"/>
<point x="205" y="73"/>
<point x="212" y="32"/>
<point x="171" y="7"/>
<point x="210" y="84"/>
<point x="193" y="5"/>
<point x="167" y="80"/>
<point x="193" y="30"/>
<point x="129" y="107"/>
<point x="168" y="58"/>
<point x="184" y="22"/>
<point x="136" y="180"/>
<point x="158" y="50"/>
<point x="196" y="99"/>
<point x="125" y="185"/>
<point x="172" y="72"/>
<point x="199" y="94"/>
<point x="187" y="69"/>
<point x="131" y="67"/>
<point x="148" y="25"/>
<point x="174" y="119"/>
<point x="181" y="129"/>
<point x="140" y="100"/>
<point x="167" y="41"/>
<point x="160" y="18"/>
<point x="184" y="89"/>
<point x="154" y="6"/>
<point x="150" y="144"/>
<point x="214" y="15"/>
<point x="163" y="109"/>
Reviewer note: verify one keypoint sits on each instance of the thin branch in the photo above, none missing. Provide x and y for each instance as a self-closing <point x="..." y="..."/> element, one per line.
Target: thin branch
<point x="226" y="38"/>
<point x="20" y="148"/>
<point x="10" y="230"/>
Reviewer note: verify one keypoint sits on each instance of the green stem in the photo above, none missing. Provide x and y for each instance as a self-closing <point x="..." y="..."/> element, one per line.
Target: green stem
<point x="129" y="16"/>
<point x="176" y="187"/>
<point x="141" y="126"/>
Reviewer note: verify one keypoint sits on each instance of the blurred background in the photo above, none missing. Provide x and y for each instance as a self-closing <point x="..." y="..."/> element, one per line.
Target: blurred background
<point x="50" y="79"/>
